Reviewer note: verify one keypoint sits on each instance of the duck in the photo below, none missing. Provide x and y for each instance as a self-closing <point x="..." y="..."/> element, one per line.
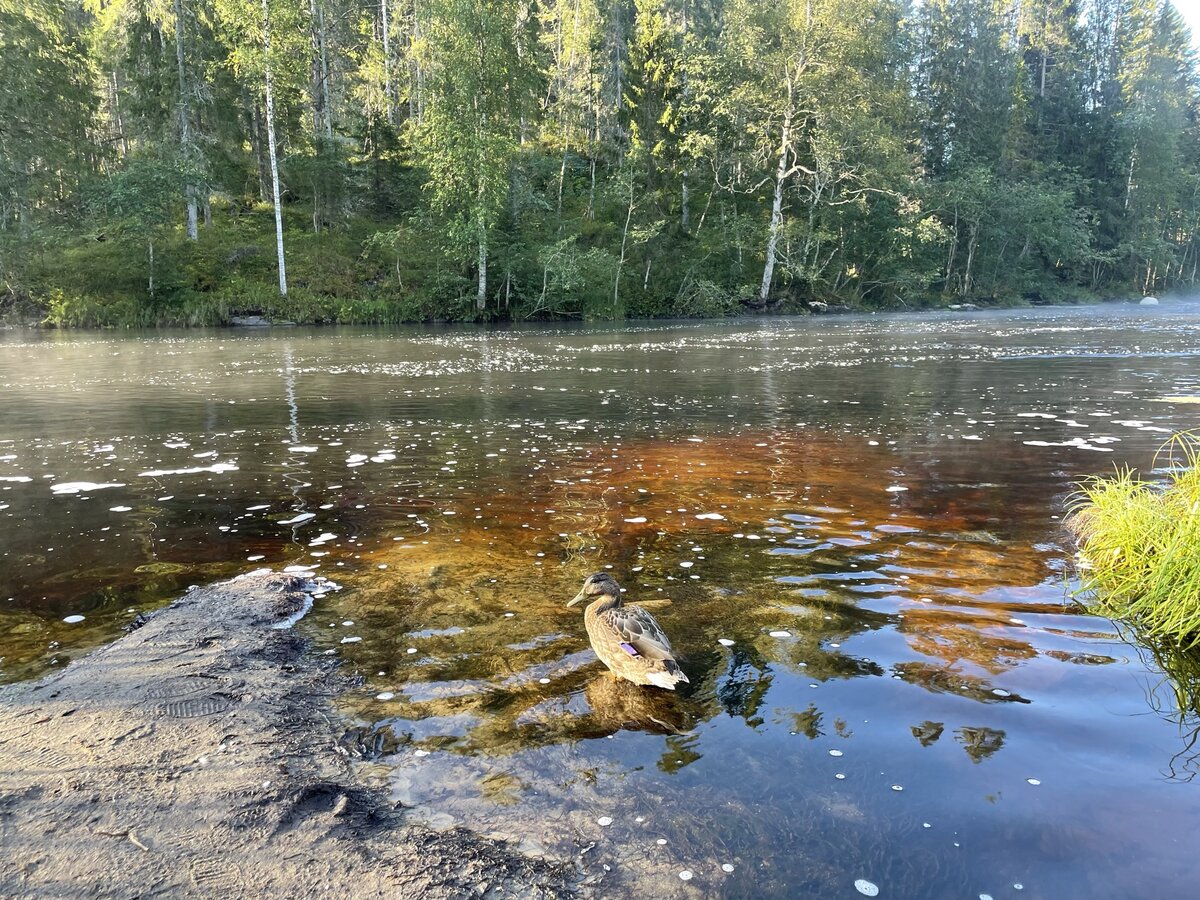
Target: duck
<point x="627" y="638"/>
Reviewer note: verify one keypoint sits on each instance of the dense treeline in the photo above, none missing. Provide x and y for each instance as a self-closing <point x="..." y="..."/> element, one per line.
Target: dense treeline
<point x="384" y="160"/>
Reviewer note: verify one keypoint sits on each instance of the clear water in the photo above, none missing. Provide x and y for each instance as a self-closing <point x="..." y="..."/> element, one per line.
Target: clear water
<point x="868" y="508"/>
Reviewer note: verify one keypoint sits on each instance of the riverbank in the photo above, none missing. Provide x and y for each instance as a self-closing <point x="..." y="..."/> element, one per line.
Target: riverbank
<point x="200" y="755"/>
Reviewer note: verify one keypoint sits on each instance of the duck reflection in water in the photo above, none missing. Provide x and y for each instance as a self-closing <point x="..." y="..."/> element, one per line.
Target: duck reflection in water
<point x="617" y="704"/>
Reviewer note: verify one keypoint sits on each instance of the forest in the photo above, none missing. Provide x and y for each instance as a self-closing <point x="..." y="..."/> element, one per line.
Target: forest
<point x="183" y="162"/>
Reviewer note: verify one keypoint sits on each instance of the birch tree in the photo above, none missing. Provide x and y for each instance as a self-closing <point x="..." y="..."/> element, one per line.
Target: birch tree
<point x="476" y="83"/>
<point x="264" y="44"/>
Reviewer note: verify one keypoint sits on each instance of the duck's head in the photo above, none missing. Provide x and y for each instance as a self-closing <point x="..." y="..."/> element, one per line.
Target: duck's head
<point x="599" y="585"/>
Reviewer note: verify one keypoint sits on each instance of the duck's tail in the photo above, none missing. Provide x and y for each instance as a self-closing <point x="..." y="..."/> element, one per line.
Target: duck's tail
<point x="669" y="677"/>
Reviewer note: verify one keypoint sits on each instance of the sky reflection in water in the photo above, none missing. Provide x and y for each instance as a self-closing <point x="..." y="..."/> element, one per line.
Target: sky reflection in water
<point x="864" y="507"/>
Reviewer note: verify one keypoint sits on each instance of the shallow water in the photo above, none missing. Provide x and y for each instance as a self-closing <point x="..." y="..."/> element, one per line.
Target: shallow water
<point x="850" y="527"/>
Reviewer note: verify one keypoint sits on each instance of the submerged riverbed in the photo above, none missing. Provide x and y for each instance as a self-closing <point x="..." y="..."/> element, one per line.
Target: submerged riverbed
<point x="851" y="529"/>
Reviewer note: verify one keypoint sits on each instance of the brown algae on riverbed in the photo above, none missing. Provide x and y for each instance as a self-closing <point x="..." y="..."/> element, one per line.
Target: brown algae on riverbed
<point x="485" y="719"/>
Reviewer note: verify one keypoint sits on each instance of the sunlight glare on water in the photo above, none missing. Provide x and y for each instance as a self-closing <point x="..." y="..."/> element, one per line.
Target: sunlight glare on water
<point x="850" y="528"/>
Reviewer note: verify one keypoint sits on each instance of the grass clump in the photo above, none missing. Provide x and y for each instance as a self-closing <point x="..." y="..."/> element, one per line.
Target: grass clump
<point x="1140" y="541"/>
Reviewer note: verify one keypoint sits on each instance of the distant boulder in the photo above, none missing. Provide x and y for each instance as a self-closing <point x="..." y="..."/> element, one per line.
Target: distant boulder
<point x="1149" y="301"/>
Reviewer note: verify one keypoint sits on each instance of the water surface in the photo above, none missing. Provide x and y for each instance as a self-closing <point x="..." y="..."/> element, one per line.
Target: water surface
<point x="850" y="527"/>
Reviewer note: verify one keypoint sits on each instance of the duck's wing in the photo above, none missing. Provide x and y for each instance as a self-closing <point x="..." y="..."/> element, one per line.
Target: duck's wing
<point x="638" y="633"/>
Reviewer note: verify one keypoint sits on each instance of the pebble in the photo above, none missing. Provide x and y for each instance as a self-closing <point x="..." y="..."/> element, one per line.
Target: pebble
<point x="543" y="681"/>
<point x="725" y="642"/>
<point x="71" y="620"/>
<point x="685" y="875"/>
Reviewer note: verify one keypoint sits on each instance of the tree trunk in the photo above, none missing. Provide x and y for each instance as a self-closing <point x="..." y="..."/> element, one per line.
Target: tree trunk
<point x="150" y="246"/>
<point x="185" y="136"/>
<point x="270" y="97"/>
<point x="764" y="290"/>
<point x="481" y="291"/>
<point x="624" y="243"/>
<point x="387" y="61"/>
<point x="322" y="107"/>
<point x="684" y="196"/>
<point x="973" y="235"/>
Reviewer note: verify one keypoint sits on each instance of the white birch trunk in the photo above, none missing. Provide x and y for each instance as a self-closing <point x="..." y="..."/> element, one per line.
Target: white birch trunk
<point x="387" y="63"/>
<point x="764" y="290"/>
<point x="270" y="96"/>
<point x="481" y="291"/>
<point x="185" y="137"/>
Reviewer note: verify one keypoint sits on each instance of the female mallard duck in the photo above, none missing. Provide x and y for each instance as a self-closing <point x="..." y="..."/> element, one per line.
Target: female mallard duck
<point x="626" y="638"/>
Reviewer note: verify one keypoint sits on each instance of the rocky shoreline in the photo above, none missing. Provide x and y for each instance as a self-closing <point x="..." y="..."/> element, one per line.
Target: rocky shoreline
<point x="199" y="755"/>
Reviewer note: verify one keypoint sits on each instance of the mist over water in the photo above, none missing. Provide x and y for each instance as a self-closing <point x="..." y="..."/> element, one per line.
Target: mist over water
<point x="850" y="528"/>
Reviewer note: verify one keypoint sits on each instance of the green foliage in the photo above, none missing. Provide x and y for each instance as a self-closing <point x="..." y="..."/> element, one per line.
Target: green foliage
<point x="1140" y="542"/>
<point x="499" y="159"/>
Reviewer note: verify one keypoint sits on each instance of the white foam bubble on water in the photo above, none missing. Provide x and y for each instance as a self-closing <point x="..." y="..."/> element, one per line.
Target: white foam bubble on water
<point x="866" y="888"/>
<point x="216" y="468"/>
<point x="303" y="449"/>
<point x="71" y="620"/>
<point x="80" y="487"/>
<point x="636" y="520"/>
<point x="713" y="516"/>
<point x="20" y="479"/>
<point x="296" y="520"/>
<point x="384" y="695"/>
<point x="120" y="508"/>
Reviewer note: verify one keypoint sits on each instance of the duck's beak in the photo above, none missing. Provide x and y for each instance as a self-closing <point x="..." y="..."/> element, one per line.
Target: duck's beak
<point x="578" y="598"/>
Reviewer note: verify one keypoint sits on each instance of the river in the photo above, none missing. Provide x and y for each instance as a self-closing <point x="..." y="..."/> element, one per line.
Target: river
<point x="851" y="528"/>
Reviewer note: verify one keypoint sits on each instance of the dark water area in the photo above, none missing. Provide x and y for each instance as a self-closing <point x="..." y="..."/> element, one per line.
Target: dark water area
<point x="851" y="528"/>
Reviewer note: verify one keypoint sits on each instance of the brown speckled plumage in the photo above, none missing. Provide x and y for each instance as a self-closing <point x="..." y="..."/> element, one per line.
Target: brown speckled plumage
<point x="627" y="638"/>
